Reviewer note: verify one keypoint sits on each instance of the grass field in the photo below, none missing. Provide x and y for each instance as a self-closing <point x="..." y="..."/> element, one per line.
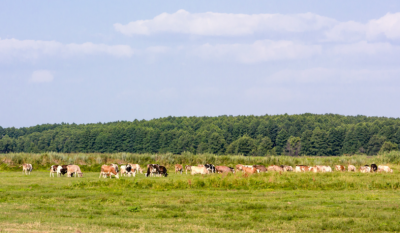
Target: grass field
<point x="288" y="202"/>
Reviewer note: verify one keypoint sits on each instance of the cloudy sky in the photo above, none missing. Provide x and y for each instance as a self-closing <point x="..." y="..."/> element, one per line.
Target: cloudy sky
<point x="100" y="61"/>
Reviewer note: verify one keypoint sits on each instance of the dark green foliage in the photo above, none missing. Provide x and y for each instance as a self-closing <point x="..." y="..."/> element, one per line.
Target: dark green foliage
<point x="375" y="144"/>
<point x="281" y="141"/>
<point x="388" y="147"/>
<point x="336" y="139"/>
<point x="319" y="142"/>
<point x="336" y="135"/>
<point x="293" y="146"/>
<point x="244" y="145"/>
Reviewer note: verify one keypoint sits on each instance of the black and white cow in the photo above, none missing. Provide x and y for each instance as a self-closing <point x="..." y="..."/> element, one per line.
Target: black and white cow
<point x="162" y="171"/>
<point x="374" y="168"/>
<point x="152" y="169"/>
<point x="210" y="167"/>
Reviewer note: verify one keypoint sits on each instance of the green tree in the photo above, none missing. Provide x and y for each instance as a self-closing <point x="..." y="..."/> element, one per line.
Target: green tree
<point x="244" y="145"/>
<point x="319" y="142"/>
<point x="375" y="144"/>
<point x="388" y="147"/>
<point x="281" y="140"/>
<point x="264" y="145"/>
<point x="293" y="146"/>
<point x="306" y="142"/>
<point x="216" y="144"/>
<point x="335" y="141"/>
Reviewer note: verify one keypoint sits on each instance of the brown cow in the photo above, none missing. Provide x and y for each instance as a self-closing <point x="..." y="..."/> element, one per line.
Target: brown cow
<point x="339" y="168"/>
<point x="239" y="166"/>
<point x="71" y="169"/>
<point x="302" y="168"/>
<point x="260" y="168"/>
<point x="250" y="170"/>
<point x="178" y="168"/>
<point x="223" y="169"/>
<point x="108" y="170"/>
<point x="275" y="168"/>
<point x="53" y="169"/>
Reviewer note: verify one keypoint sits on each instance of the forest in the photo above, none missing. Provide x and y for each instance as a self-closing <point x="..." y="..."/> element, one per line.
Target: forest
<point x="292" y="135"/>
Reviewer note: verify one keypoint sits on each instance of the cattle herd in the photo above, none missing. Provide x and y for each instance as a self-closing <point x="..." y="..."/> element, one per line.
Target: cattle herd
<point x="158" y="170"/>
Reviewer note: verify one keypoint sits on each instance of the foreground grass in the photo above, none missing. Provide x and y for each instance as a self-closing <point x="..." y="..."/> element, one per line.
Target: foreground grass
<point x="39" y="203"/>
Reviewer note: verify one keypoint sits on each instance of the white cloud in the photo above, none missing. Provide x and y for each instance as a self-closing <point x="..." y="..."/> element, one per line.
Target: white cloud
<point x="365" y="48"/>
<point x="259" y="51"/>
<point x="42" y="76"/>
<point x="222" y="24"/>
<point x="321" y="75"/>
<point x="387" y="26"/>
<point x="34" y="49"/>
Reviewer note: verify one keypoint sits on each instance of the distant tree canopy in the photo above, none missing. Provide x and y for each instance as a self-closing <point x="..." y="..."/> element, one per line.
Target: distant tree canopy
<point x="305" y="134"/>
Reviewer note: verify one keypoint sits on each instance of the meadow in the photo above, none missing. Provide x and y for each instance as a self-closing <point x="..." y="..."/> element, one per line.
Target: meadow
<point x="278" y="202"/>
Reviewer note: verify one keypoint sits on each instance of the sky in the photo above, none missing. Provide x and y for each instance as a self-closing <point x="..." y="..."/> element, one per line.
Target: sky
<point x="101" y="61"/>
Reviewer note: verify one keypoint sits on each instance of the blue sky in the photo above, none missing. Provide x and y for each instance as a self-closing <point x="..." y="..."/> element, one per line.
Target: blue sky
<point x="101" y="61"/>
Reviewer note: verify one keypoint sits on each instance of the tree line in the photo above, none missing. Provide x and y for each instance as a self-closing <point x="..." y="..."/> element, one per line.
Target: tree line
<point x="305" y="134"/>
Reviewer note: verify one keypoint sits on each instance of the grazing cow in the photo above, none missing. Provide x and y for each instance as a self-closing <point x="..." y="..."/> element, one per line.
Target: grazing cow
<point x="122" y="170"/>
<point x="26" y="168"/>
<point x="351" y="168"/>
<point x="339" y="168"/>
<point x="53" y="169"/>
<point x="108" y="171"/>
<point x="115" y="166"/>
<point x="200" y="165"/>
<point x="326" y="169"/>
<point x="127" y="170"/>
<point x="223" y="169"/>
<point x="188" y="168"/>
<point x="275" y="168"/>
<point x="178" y="168"/>
<point x="136" y="168"/>
<point x="365" y="169"/>
<point x="250" y="170"/>
<point x="162" y="171"/>
<point x="232" y="169"/>
<point x="199" y="170"/>
<point x="210" y="167"/>
<point x="382" y="168"/>
<point x="302" y="168"/>
<point x="74" y="169"/>
<point x="61" y="170"/>
<point x="240" y="166"/>
<point x="152" y="169"/>
<point x="130" y="171"/>
<point x="287" y="168"/>
<point x="260" y="168"/>
<point x="374" y="168"/>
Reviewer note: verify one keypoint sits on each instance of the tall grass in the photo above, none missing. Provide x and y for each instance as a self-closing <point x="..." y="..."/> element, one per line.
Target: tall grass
<point x="44" y="160"/>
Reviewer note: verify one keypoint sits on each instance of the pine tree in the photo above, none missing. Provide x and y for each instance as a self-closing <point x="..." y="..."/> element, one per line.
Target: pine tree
<point x="319" y="142"/>
<point x="281" y="141"/>
<point x="306" y="142"/>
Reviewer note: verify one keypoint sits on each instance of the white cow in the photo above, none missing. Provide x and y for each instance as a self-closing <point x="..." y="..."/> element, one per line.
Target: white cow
<point x="382" y="168"/>
<point x="199" y="170"/>
<point x="26" y="168"/>
<point x="351" y="168"/>
<point x="365" y="169"/>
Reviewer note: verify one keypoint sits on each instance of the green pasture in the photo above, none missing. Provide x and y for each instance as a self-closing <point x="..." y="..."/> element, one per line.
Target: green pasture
<point x="276" y="202"/>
